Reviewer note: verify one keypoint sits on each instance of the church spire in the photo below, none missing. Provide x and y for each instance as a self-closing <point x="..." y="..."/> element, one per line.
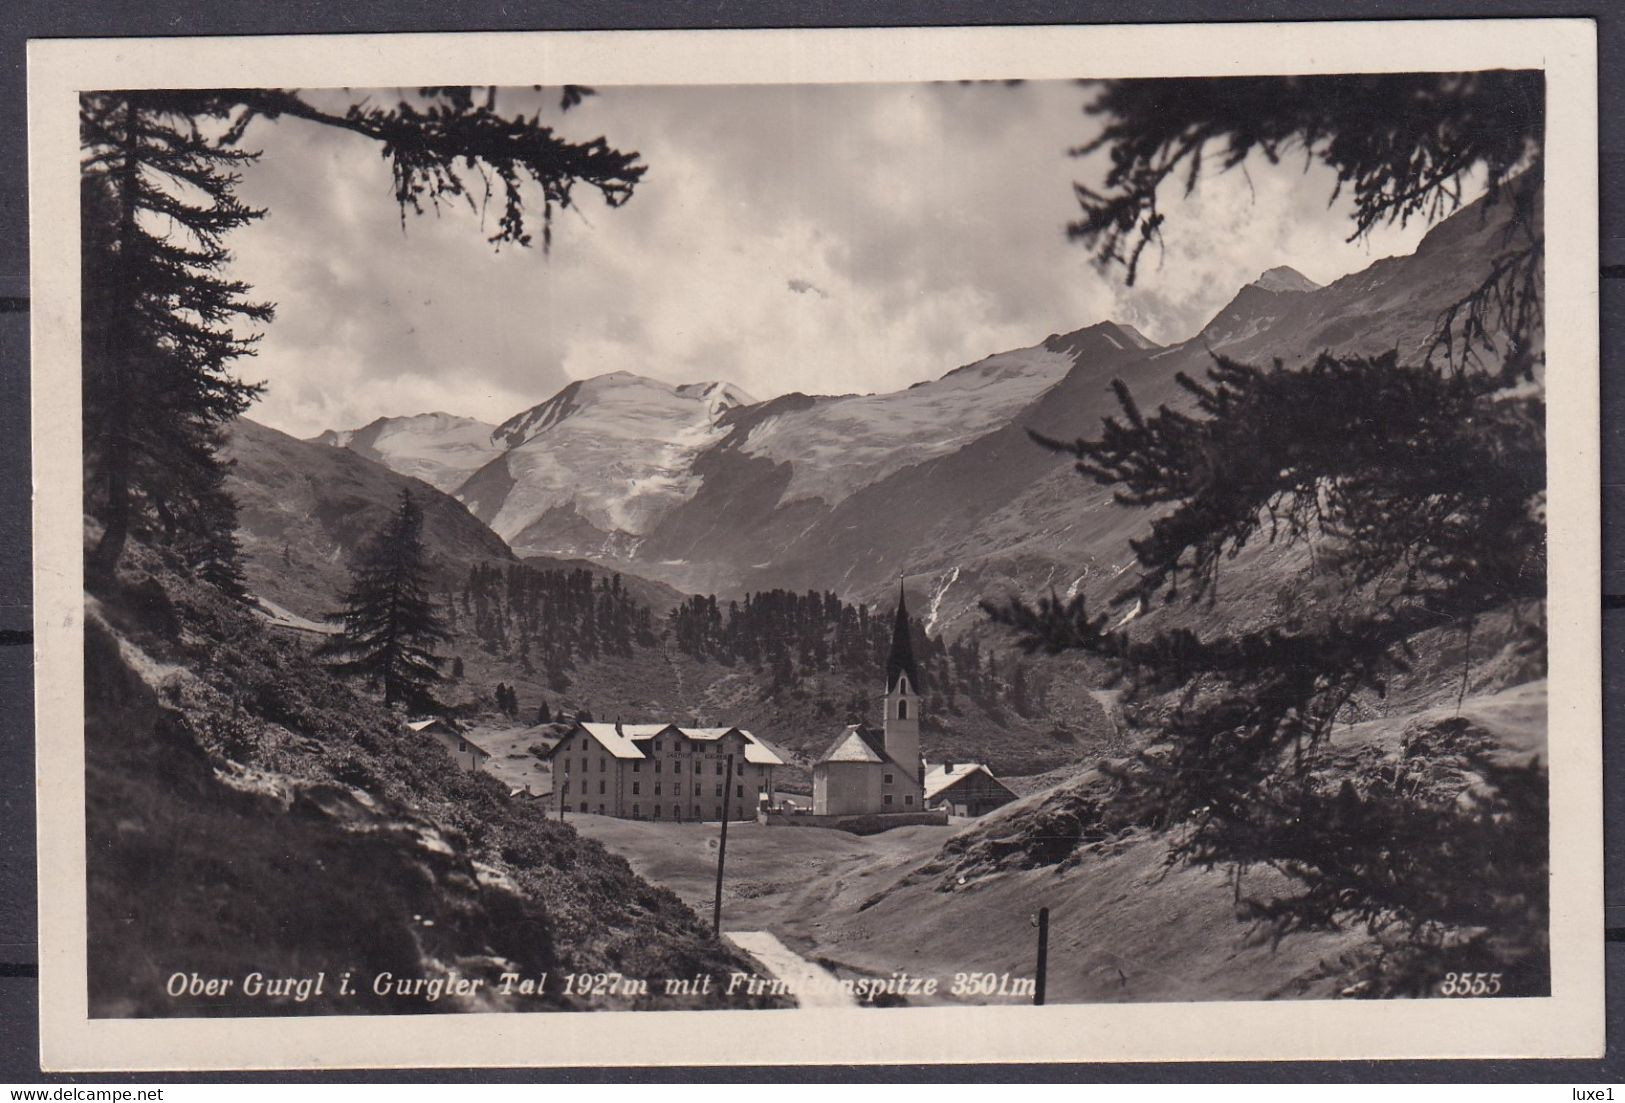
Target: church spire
<point x="901" y="659"/>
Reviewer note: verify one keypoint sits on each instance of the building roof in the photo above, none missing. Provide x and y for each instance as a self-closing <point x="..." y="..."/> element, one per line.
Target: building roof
<point x="757" y="751"/>
<point x="900" y="660"/>
<point x="617" y="738"/>
<point x="625" y="740"/>
<point x="855" y="744"/>
<point x="431" y="722"/>
<point x="439" y="725"/>
<point x="944" y="776"/>
<point x="861" y="745"/>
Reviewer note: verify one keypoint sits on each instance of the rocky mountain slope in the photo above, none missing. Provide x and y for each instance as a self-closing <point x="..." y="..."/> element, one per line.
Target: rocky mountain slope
<point x="248" y="812"/>
<point x="304" y="508"/>
<point x="702" y="488"/>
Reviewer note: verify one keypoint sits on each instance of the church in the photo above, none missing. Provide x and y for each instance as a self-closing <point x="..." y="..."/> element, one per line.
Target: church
<point x="867" y="771"/>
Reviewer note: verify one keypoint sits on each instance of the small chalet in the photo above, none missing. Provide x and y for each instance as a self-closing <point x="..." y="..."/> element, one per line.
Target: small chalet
<point x="964" y="789"/>
<point x="661" y="772"/>
<point x="463" y="751"/>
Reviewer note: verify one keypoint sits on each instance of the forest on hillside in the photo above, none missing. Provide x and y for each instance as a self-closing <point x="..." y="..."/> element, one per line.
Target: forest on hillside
<point x="550" y="622"/>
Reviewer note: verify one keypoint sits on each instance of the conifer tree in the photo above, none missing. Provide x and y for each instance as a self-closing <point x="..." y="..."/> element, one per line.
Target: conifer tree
<point x="1419" y="485"/>
<point x="390" y="620"/>
<point x="160" y="318"/>
<point x="164" y="324"/>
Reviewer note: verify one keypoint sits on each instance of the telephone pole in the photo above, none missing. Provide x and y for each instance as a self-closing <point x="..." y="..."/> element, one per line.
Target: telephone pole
<point x="722" y="851"/>
<point x="1043" y="956"/>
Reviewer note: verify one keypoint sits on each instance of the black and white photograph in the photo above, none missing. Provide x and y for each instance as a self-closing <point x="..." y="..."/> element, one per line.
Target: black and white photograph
<point x="867" y="546"/>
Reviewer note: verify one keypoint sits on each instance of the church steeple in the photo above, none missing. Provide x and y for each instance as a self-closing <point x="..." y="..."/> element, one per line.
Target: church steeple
<point x="901" y="659"/>
<point x="902" y="715"/>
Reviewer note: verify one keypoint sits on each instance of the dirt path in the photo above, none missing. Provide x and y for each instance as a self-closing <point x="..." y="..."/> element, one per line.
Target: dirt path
<point x="811" y="985"/>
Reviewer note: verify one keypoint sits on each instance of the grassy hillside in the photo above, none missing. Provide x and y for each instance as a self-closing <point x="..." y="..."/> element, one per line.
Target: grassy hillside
<point x="247" y="812"/>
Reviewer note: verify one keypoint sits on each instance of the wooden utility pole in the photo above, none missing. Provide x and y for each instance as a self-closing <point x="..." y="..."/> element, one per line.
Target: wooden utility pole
<point x="1043" y="956"/>
<point x="722" y="852"/>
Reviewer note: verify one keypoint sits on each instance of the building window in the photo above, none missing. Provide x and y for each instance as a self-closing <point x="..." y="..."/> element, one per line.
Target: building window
<point x="719" y="768"/>
<point x="657" y="811"/>
<point x="635" y="766"/>
<point x="461" y="745"/>
<point x="696" y="811"/>
<point x="888" y="779"/>
<point x="909" y="799"/>
<point x="739" y="791"/>
<point x="676" y="812"/>
<point x="635" y="813"/>
<point x="583" y="806"/>
<point x="603" y="764"/>
<point x="600" y="809"/>
<point x="600" y="787"/>
<point x="657" y="788"/>
<point x="657" y="765"/>
<point x="719" y="790"/>
<point x="902" y="710"/>
<point x="888" y="798"/>
<point x="676" y="790"/>
<point x="634" y="788"/>
<point x="697" y="765"/>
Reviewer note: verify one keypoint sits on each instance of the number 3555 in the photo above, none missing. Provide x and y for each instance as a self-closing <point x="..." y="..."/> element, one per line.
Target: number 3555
<point x="1470" y="984"/>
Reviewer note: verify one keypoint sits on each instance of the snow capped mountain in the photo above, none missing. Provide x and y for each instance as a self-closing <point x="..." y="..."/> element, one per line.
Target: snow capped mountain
<point x="439" y="448"/>
<point x="839" y="445"/>
<point x="597" y="463"/>
<point x="703" y="488"/>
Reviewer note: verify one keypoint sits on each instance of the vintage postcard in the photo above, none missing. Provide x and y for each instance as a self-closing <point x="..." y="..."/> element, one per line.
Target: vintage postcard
<point x="957" y="545"/>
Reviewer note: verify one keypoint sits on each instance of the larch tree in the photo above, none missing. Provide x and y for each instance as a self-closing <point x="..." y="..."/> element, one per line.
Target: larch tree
<point x="1420" y="486"/>
<point x="391" y="622"/>
<point x="165" y="326"/>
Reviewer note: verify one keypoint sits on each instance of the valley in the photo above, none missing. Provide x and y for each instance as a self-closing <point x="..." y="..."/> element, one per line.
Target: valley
<point x="638" y="551"/>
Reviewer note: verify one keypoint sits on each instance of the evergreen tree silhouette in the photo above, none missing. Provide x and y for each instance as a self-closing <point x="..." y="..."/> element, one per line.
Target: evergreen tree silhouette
<point x="1420" y="485"/>
<point x="390" y="619"/>
<point x="163" y="322"/>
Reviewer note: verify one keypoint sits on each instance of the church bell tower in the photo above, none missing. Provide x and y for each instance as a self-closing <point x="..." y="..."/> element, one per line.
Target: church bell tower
<point x="902" y="715"/>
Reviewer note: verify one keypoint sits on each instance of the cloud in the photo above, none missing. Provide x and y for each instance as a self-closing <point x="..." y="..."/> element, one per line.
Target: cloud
<point x="918" y="227"/>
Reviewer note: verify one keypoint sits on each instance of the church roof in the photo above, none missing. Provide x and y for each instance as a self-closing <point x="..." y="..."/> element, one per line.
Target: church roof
<point x="862" y="745"/>
<point x="901" y="659"/>
<point x="856" y="744"/>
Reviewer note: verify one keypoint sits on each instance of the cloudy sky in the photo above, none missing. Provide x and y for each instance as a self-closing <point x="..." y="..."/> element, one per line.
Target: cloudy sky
<point x="823" y="239"/>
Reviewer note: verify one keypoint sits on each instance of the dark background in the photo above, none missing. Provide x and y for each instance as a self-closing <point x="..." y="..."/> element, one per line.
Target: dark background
<point x="20" y="21"/>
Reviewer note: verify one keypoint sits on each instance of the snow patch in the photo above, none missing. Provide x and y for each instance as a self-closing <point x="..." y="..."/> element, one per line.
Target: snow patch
<point x="837" y="446"/>
<point x="936" y="601"/>
<point x="1130" y="615"/>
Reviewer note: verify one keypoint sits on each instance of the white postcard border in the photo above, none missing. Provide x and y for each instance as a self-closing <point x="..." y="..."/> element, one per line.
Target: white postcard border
<point x="1568" y="1023"/>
